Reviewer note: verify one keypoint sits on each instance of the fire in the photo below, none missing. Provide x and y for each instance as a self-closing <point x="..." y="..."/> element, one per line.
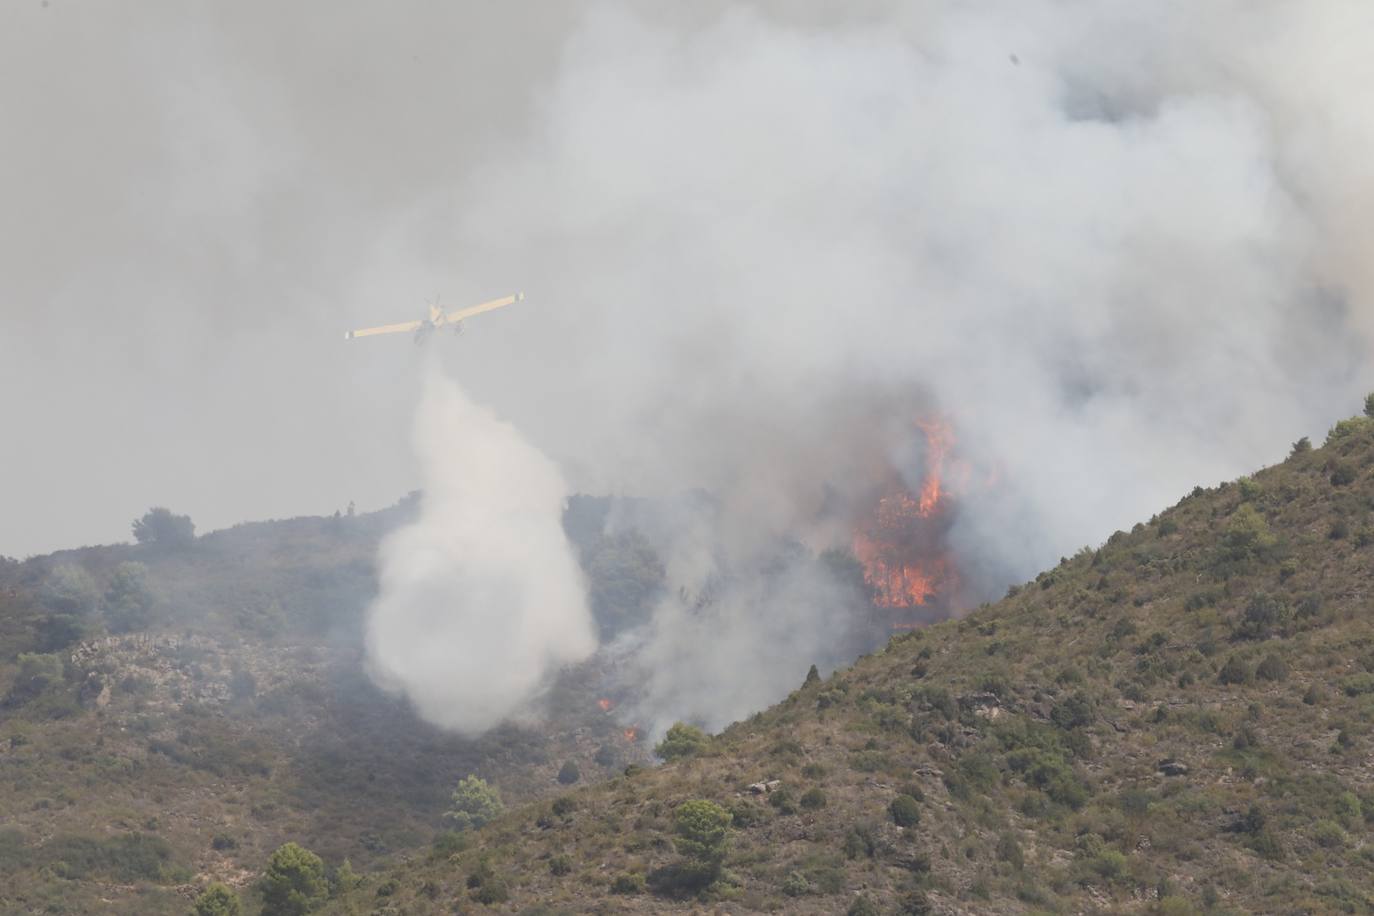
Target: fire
<point x="606" y="704"/>
<point x="631" y="734"/>
<point x="900" y="542"/>
<point x="939" y="437"/>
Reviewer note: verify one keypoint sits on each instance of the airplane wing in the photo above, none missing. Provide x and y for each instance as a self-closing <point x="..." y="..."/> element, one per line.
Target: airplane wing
<point x="401" y="328"/>
<point x="484" y="307"/>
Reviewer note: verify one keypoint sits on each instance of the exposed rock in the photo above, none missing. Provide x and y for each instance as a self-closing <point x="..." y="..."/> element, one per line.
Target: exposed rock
<point x="763" y="788"/>
<point x="95" y="691"/>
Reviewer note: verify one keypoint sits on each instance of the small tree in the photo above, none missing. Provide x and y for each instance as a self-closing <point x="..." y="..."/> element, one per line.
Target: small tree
<point x="294" y="882"/>
<point x="216" y="900"/>
<point x="703" y="836"/>
<point x="475" y="803"/>
<point x="160" y="528"/>
<point x="682" y="740"/>
<point x="905" y="811"/>
<point x="1369" y="405"/>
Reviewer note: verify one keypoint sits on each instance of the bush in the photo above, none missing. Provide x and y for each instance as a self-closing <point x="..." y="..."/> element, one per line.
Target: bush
<point x="905" y="811"/>
<point x="1009" y="851"/>
<point x="294" y="882"/>
<point x="1272" y="668"/>
<point x="1342" y="475"/>
<point x="703" y="835"/>
<point x="1328" y="835"/>
<point x="1263" y="616"/>
<point x="681" y="741"/>
<point x="569" y="774"/>
<point x="862" y="906"/>
<point x="813" y="799"/>
<point x="1076" y="711"/>
<point x="560" y="866"/>
<point x="563" y="805"/>
<point x="160" y="528"/>
<point x="796" y="885"/>
<point x="216" y="900"/>
<point x="1302" y="446"/>
<point x="475" y="803"/>
<point x="632" y="883"/>
<point x="1247" y="534"/>
<point x="1235" y="671"/>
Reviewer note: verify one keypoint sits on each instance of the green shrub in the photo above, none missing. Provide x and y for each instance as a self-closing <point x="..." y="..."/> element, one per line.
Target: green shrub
<point x="1075" y="711"/>
<point x="1247" y="534"/>
<point x="563" y="805"/>
<point x="862" y="906"/>
<point x="1328" y="835"/>
<point x="1235" y="671"/>
<point x="812" y="799"/>
<point x="159" y="527"/>
<point x="905" y="811"/>
<point x="1272" y="668"/>
<point x="474" y="803"/>
<point x="1264" y="615"/>
<point x="682" y="740"/>
<point x="1009" y="851"/>
<point x="1342" y="475"/>
<point x="560" y="866"/>
<point x="703" y="834"/>
<point x="631" y="883"/>
<point x="294" y="882"/>
<point x="781" y="799"/>
<point x="796" y="885"/>
<point x="216" y="900"/>
<point x="569" y="773"/>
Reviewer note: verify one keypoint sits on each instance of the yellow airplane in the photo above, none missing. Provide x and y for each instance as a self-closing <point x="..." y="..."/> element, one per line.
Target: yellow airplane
<point x="438" y="318"/>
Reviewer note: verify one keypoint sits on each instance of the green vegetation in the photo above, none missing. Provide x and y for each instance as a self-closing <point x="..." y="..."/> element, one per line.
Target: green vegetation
<point x="160" y="527"/>
<point x="1177" y="721"/>
<point x="1174" y="722"/>
<point x="216" y="900"/>
<point x="294" y="882"/>
<point x="682" y="741"/>
<point x="474" y="804"/>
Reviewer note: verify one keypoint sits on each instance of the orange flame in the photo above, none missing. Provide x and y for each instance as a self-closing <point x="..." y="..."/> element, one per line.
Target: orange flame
<point x="939" y="437"/>
<point x="605" y="704"/>
<point x="631" y="734"/>
<point x="899" y="544"/>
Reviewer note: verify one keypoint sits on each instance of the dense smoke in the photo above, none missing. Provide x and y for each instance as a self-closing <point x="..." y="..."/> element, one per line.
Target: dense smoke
<point x="481" y="596"/>
<point x="1111" y="270"/>
<point x="1121" y="248"/>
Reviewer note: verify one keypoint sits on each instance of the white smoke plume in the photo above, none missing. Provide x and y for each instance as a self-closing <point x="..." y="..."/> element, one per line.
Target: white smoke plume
<point x="1105" y="240"/>
<point x="481" y="596"/>
<point x="1123" y="247"/>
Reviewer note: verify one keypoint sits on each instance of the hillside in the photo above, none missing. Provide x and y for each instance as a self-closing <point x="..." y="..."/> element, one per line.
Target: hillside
<point x="1176" y="722"/>
<point x="170" y="715"/>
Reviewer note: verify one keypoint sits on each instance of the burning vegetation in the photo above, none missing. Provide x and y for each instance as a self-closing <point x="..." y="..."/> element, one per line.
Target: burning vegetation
<point x="900" y="539"/>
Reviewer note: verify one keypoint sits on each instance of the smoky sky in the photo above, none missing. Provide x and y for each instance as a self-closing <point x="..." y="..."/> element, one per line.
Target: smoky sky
<point x="1122" y="246"/>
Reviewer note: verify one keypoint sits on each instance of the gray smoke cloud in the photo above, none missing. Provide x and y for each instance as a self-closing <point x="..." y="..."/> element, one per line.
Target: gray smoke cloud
<point x="1121" y="247"/>
<point x="481" y="596"/>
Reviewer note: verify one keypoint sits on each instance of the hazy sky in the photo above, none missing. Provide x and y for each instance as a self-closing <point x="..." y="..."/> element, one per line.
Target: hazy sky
<point x="1122" y="244"/>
